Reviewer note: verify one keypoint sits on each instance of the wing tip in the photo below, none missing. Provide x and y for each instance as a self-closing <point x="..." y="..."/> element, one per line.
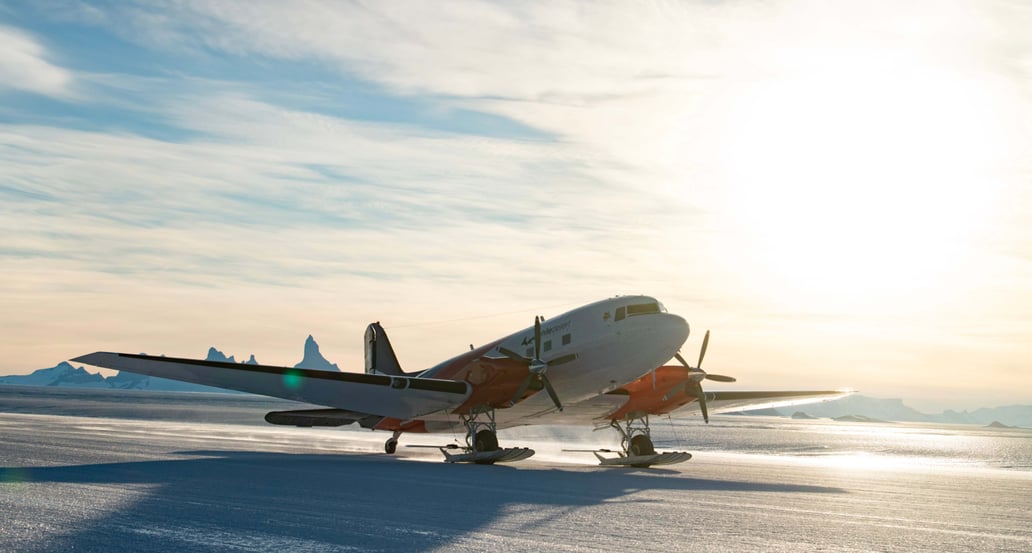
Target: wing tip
<point x="94" y="358"/>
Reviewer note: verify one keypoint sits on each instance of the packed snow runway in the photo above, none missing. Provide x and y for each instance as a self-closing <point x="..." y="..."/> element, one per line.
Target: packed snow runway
<point x="131" y="484"/>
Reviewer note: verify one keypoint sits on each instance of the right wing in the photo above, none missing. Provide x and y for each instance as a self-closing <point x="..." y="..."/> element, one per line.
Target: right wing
<point x="389" y="396"/>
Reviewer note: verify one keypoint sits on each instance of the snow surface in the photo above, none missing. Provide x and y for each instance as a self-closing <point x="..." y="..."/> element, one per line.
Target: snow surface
<point x="99" y="483"/>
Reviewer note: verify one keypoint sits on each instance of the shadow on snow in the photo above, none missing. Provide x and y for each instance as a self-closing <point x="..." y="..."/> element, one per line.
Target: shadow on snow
<point x="226" y="500"/>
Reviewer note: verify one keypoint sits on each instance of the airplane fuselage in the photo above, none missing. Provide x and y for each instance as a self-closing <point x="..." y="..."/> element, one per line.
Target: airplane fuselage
<point x="602" y="346"/>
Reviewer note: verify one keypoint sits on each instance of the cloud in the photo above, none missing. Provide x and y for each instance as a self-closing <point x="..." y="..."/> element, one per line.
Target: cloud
<point x="648" y="87"/>
<point x="303" y="196"/>
<point x="23" y="65"/>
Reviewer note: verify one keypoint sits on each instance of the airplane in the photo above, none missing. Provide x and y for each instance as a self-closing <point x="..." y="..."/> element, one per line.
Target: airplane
<point x="601" y="364"/>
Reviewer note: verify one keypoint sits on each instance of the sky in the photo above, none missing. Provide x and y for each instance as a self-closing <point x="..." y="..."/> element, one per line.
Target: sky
<point x="839" y="191"/>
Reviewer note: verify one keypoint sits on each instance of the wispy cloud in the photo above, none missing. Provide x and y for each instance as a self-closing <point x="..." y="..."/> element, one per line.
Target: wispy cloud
<point x="24" y="65"/>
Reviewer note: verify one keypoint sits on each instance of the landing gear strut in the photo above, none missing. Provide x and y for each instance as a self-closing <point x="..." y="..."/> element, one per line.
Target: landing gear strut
<point x="636" y="446"/>
<point x="481" y="434"/>
<point x="635" y="437"/>
<point x="482" y="442"/>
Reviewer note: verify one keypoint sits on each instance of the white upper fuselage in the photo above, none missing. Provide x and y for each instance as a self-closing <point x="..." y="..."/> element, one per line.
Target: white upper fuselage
<point x="615" y="341"/>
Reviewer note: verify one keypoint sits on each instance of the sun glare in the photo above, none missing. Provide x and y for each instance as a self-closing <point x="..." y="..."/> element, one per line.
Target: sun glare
<point x="860" y="187"/>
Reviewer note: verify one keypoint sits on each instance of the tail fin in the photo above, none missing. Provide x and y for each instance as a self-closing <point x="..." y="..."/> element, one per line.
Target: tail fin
<point x="379" y="355"/>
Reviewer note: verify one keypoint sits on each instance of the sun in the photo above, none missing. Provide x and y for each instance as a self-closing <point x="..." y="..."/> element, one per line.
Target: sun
<point x="859" y="189"/>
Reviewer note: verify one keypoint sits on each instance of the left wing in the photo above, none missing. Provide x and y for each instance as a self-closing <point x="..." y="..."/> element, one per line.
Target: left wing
<point x="389" y="396"/>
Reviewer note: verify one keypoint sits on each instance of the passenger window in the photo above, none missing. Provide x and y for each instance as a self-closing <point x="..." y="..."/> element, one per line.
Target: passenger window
<point x="621" y="312"/>
<point x="548" y="345"/>
<point x="566" y="339"/>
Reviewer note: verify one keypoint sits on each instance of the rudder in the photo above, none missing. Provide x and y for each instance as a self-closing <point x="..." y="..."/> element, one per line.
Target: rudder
<point x="379" y="355"/>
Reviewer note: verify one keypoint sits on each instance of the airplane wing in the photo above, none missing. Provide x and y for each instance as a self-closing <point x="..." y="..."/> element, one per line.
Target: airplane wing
<point x="389" y="396"/>
<point x="730" y="401"/>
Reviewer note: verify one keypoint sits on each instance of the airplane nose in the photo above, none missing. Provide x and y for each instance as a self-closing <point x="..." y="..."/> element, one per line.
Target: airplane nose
<point x="683" y="328"/>
<point x="676" y="328"/>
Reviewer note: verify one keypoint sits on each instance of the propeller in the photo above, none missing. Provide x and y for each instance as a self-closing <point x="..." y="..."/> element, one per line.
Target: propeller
<point x="694" y="383"/>
<point x="537" y="368"/>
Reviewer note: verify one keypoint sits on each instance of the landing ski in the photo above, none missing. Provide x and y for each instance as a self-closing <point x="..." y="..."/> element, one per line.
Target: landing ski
<point x="668" y="458"/>
<point x="508" y="455"/>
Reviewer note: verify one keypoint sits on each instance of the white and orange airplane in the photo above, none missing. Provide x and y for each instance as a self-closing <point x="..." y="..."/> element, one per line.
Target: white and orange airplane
<point x="602" y="364"/>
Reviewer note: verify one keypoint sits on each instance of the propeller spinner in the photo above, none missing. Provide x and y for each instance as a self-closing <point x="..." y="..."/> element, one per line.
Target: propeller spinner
<point x="694" y="383"/>
<point x="537" y="368"/>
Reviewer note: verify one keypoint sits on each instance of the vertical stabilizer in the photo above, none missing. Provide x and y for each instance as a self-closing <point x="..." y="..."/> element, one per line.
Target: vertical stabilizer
<point x="379" y="355"/>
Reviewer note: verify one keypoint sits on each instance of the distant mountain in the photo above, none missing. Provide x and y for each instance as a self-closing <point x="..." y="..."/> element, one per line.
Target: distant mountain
<point x="313" y="359"/>
<point x="859" y="406"/>
<point x="858" y="418"/>
<point x="216" y="355"/>
<point x="878" y="408"/>
<point x="1013" y="415"/>
<point x="64" y="374"/>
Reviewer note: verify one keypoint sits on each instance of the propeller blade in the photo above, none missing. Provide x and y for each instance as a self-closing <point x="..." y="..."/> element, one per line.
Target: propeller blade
<point x="551" y="392"/>
<point x="522" y="390"/>
<point x="537" y="368"/>
<point x="719" y="378"/>
<point x="702" y="352"/>
<point x="696" y="389"/>
<point x="681" y="359"/>
<point x="562" y="359"/>
<point x="513" y="355"/>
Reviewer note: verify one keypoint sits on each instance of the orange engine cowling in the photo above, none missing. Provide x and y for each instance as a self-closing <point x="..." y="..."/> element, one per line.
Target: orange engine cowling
<point x="657" y="392"/>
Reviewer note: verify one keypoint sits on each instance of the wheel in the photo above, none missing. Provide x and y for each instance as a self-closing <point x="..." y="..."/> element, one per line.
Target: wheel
<point x="486" y="441"/>
<point x="641" y="445"/>
<point x="390" y="446"/>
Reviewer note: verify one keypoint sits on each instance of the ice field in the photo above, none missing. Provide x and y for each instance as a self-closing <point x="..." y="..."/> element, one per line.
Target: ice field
<point x="135" y="471"/>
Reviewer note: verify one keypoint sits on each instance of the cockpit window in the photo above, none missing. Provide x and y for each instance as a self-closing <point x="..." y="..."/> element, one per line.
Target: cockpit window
<point x="643" y="309"/>
<point x="620" y="314"/>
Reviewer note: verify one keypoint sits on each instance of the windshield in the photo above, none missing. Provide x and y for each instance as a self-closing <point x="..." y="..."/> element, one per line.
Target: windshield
<point x="644" y="309"/>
